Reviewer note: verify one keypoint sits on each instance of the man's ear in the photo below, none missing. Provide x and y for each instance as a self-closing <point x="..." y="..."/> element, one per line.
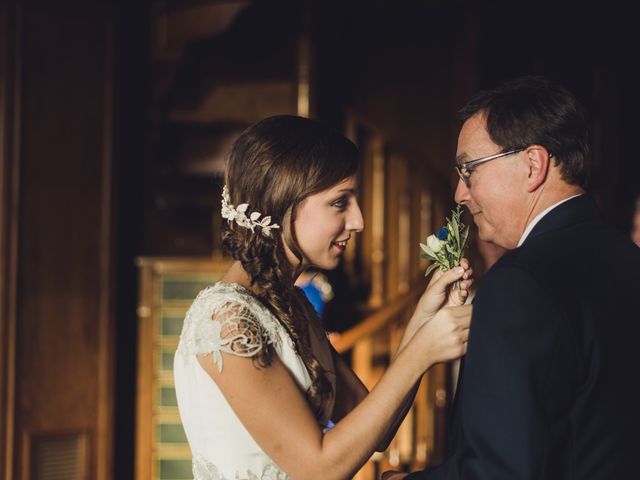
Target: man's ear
<point x="538" y="163"/>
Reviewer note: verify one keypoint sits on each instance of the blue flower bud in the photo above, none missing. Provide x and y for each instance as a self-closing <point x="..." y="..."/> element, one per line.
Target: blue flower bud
<point x="442" y="234"/>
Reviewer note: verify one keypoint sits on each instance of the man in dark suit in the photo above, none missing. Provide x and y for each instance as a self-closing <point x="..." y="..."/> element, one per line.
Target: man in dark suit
<point x="548" y="388"/>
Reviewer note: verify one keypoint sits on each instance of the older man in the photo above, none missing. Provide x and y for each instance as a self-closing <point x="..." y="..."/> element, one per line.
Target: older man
<point x="548" y="388"/>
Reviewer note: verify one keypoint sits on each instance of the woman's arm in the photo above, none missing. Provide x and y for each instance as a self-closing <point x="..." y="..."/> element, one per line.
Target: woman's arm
<point x="350" y="390"/>
<point x="275" y="411"/>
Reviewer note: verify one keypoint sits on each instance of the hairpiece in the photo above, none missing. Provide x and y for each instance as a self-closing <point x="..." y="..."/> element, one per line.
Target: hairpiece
<point x="238" y="214"/>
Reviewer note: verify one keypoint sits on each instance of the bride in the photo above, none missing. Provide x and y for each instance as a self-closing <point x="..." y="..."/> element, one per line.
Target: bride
<point x="261" y="392"/>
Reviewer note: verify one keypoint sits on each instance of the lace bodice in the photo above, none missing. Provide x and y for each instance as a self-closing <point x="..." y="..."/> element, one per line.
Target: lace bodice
<point x="205" y="470"/>
<point x="226" y="318"/>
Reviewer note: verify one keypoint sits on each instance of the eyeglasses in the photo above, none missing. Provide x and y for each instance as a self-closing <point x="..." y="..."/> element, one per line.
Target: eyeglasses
<point x="465" y="169"/>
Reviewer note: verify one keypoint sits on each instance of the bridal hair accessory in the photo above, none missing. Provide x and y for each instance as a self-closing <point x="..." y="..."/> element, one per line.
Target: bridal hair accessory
<point x="239" y="215"/>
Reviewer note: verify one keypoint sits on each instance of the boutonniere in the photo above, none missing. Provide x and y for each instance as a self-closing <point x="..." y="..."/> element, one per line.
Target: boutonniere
<point x="446" y="247"/>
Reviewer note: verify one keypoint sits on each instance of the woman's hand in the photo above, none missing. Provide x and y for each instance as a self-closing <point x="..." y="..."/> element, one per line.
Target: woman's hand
<point x="445" y="336"/>
<point x="442" y="290"/>
<point x="393" y="475"/>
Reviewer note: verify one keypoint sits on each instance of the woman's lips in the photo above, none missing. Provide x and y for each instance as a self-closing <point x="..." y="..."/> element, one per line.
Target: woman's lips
<point x="341" y="245"/>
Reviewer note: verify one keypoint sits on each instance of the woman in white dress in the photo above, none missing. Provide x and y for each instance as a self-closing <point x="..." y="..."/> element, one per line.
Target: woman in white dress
<point x="261" y="392"/>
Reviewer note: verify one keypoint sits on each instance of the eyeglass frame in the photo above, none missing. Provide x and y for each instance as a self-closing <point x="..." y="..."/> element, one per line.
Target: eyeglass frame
<point x="465" y="165"/>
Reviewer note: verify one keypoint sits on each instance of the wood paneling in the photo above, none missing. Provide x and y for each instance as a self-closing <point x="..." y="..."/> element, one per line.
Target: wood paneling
<point x="167" y="289"/>
<point x="64" y="353"/>
<point x="8" y="231"/>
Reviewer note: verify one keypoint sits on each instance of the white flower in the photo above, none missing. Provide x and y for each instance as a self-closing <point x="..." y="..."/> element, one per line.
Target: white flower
<point x="434" y="243"/>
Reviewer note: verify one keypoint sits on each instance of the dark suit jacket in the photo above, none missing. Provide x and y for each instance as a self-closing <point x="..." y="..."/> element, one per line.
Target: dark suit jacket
<point x="551" y="378"/>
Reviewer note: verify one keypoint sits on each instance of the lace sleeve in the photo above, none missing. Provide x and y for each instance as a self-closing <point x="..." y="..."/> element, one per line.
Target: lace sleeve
<point x="232" y="329"/>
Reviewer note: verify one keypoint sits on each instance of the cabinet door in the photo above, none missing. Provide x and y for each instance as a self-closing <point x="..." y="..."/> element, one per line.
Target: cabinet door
<point x="167" y="288"/>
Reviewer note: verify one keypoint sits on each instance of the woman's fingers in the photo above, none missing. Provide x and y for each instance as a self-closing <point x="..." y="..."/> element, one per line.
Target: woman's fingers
<point x="448" y="332"/>
<point x="435" y="276"/>
<point x="447" y="278"/>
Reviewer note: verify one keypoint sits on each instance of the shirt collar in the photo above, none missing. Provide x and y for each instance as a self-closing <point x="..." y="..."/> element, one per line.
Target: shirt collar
<point x="538" y="217"/>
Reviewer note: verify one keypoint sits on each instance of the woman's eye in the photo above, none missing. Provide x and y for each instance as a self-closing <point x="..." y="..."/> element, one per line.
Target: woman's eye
<point x="341" y="203"/>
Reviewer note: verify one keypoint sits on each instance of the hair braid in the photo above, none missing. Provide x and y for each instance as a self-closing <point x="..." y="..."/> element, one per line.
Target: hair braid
<point x="270" y="270"/>
<point x="274" y="165"/>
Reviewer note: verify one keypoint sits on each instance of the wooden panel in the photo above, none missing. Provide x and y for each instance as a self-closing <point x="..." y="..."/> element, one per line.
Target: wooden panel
<point x="64" y="297"/>
<point x="377" y="223"/>
<point x="397" y="227"/>
<point x="8" y="230"/>
<point x="167" y="288"/>
<point x="57" y="456"/>
<point x="420" y="226"/>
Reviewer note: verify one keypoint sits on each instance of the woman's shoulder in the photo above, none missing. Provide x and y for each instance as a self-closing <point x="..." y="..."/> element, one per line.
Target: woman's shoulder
<point x="227" y="314"/>
<point x="228" y="298"/>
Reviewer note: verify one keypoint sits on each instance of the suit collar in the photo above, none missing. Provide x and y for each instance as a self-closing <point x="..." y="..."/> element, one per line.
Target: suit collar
<point x="572" y="211"/>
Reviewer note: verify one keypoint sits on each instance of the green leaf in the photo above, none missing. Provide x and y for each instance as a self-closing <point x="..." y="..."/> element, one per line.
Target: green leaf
<point x="465" y="235"/>
<point x="453" y="252"/>
<point x="431" y="268"/>
<point x="427" y="250"/>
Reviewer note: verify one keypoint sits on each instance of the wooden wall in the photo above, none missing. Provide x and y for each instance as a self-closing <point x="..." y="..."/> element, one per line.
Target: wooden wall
<point x="7" y="241"/>
<point x="56" y="242"/>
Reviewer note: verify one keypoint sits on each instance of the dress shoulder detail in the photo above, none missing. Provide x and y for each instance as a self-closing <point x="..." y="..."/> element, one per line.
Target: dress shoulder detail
<point x="227" y="318"/>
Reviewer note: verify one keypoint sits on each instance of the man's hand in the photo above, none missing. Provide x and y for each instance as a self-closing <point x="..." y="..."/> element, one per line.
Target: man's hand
<point x="393" y="475"/>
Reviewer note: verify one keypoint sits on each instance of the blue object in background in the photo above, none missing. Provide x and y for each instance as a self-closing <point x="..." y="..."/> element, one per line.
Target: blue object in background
<point x="317" y="288"/>
<point x="314" y="295"/>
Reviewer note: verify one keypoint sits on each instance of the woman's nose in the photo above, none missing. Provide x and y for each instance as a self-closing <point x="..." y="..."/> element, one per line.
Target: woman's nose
<point x="355" y="222"/>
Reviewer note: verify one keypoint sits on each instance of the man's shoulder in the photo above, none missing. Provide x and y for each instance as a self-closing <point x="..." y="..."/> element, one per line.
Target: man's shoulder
<point x="507" y="274"/>
<point x="565" y="268"/>
<point x="592" y="242"/>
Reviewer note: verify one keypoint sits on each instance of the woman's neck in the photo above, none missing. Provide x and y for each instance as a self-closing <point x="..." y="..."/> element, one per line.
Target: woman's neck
<point x="237" y="274"/>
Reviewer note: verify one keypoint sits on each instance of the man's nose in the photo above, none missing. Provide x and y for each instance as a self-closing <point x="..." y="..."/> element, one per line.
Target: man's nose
<point x="462" y="193"/>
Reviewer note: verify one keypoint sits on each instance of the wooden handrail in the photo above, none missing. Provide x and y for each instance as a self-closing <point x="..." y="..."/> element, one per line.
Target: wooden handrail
<point x="377" y="320"/>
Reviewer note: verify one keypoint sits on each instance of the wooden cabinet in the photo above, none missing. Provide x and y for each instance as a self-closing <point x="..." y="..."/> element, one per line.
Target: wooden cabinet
<point x="167" y="287"/>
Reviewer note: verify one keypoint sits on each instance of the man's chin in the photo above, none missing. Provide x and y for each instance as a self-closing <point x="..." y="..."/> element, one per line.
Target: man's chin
<point x="483" y="233"/>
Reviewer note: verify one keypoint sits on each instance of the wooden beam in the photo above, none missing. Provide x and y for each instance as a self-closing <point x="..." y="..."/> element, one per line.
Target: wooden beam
<point x="10" y="22"/>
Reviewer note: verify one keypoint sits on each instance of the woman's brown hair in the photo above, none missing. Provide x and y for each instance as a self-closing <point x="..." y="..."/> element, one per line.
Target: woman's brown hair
<point x="273" y="166"/>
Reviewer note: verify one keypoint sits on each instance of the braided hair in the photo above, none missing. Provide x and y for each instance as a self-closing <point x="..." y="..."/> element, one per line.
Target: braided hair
<point x="273" y="166"/>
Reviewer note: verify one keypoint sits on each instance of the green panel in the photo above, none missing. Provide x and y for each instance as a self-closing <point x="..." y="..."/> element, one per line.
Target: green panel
<point x="175" y="470"/>
<point x="185" y="288"/>
<point x="168" y="397"/>
<point x="166" y="360"/>
<point x="171" y="324"/>
<point x="171" y="433"/>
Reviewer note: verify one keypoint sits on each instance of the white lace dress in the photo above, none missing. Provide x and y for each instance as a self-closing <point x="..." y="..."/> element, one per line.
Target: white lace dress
<point x="226" y="318"/>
